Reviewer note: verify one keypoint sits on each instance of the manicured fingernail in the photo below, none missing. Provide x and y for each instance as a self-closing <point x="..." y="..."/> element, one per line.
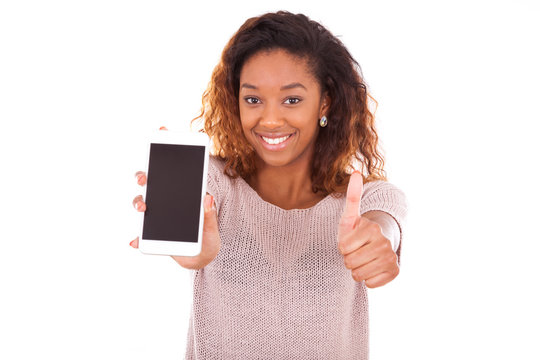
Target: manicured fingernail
<point x="131" y="243"/>
<point x="138" y="206"/>
<point x="163" y="128"/>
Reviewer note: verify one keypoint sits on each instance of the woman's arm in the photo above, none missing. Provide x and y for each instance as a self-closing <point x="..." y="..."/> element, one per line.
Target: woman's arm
<point x="365" y="241"/>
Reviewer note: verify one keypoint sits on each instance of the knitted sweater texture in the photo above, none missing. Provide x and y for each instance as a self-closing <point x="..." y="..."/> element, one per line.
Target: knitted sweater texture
<point x="278" y="288"/>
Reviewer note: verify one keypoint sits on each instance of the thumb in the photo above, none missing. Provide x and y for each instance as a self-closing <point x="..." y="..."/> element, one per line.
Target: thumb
<point x="210" y="217"/>
<point x="352" y="202"/>
<point x="211" y="242"/>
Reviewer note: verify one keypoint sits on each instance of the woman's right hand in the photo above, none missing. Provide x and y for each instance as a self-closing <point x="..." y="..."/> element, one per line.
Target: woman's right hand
<point x="211" y="241"/>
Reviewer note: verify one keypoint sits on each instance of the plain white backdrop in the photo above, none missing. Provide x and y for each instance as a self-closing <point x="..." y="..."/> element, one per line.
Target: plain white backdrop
<point x="82" y="82"/>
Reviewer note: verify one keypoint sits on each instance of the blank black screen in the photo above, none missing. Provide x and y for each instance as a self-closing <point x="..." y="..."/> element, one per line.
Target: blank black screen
<point x="173" y="192"/>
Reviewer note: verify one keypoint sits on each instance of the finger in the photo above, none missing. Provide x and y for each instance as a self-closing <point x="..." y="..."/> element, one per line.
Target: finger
<point x="210" y="231"/>
<point x="139" y="204"/>
<point x="135" y="243"/>
<point x="352" y="202"/>
<point x="210" y="219"/>
<point x="354" y="239"/>
<point x="364" y="232"/>
<point x="141" y="177"/>
<point x="368" y="271"/>
<point x="362" y="255"/>
<point x="379" y="280"/>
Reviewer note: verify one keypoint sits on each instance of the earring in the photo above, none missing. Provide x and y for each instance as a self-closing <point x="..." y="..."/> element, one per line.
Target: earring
<point x="324" y="121"/>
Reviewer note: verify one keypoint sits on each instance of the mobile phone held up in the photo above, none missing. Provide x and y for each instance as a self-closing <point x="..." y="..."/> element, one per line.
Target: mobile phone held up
<point x="177" y="167"/>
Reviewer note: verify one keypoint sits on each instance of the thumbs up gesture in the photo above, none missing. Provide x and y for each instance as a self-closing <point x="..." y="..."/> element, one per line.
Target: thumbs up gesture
<point x="366" y="251"/>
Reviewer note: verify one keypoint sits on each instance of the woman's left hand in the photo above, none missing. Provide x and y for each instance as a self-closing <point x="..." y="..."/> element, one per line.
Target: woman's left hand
<point x="366" y="251"/>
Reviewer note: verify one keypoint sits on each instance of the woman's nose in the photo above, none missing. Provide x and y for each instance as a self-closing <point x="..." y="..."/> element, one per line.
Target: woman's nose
<point x="271" y="118"/>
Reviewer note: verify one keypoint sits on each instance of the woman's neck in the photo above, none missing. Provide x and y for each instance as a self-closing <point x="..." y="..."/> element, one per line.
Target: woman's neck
<point x="288" y="187"/>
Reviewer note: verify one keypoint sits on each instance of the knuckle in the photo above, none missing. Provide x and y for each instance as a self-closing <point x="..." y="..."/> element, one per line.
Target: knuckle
<point x="357" y="276"/>
<point x="391" y="259"/>
<point x="342" y="247"/>
<point x="348" y="262"/>
<point x="376" y="228"/>
<point x="381" y="247"/>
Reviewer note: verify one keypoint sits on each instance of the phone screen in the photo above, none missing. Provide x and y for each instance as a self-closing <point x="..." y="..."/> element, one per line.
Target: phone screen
<point x="173" y="192"/>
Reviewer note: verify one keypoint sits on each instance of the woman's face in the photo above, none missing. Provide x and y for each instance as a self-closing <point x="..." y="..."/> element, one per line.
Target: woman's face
<point x="280" y="107"/>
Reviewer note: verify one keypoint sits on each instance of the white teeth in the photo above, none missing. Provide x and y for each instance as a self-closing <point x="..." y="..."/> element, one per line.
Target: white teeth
<point x="275" y="140"/>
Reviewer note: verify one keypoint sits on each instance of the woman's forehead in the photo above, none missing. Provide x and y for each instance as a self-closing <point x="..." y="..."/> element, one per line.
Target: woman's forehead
<point x="276" y="69"/>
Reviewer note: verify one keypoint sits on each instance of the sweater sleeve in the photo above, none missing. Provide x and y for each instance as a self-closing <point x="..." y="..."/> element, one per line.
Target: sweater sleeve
<point x="384" y="196"/>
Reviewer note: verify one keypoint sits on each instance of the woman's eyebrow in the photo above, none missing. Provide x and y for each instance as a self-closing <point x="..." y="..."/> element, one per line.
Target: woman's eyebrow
<point x="248" y="86"/>
<point x="292" y="86"/>
<point x="284" y="87"/>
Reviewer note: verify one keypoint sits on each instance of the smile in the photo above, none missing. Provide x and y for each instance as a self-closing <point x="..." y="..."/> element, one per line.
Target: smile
<point x="275" y="143"/>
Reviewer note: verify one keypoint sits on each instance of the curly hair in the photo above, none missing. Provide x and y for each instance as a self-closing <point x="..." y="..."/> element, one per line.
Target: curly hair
<point x="350" y="135"/>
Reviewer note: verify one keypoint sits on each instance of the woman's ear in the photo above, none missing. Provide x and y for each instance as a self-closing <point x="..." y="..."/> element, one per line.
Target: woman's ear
<point x="325" y="105"/>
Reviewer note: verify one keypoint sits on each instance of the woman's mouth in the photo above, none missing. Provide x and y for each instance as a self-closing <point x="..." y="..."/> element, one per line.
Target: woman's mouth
<point x="274" y="143"/>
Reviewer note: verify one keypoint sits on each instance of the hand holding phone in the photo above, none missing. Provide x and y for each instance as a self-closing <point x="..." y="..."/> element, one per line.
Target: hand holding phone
<point x="209" y="238"/>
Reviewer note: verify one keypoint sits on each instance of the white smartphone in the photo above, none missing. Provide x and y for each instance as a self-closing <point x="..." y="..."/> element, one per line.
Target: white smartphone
<point x="177" y="167"/>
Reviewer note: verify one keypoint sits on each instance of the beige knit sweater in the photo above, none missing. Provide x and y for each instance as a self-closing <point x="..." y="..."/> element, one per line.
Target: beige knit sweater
<point x="278" y="288"/>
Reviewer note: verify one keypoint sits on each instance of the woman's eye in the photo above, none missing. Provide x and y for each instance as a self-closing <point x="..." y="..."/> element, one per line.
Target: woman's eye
<point x="252" y="100"/>
<point x="292" y="101"/>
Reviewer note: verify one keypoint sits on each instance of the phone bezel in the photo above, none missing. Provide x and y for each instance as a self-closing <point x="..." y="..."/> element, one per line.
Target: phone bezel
<point x="176" y="248"/>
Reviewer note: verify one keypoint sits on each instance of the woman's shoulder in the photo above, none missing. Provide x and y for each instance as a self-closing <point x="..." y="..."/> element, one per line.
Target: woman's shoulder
<point x="385" y="196"/>
<point x="216" y="163"/>
<point x="373" y="188"/>
<point x="380" y="187"/>
<point x="216" y="170"/>
<point x="219" y="184"/>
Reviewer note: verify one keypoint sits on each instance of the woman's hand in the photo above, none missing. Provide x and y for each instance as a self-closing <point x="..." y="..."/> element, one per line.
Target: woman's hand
<point x="366" y="251"/>
<point x="211" y="241"/>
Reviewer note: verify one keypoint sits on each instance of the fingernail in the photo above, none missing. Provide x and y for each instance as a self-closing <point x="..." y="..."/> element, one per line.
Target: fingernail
<point x="139" y="177"/>
<point x="131" y="243"/>
<point x="163" y="128"/>
<point x="138" y="205"/>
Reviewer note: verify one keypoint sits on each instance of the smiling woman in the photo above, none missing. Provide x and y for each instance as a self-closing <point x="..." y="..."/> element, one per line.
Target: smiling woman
<point x="280" y="103"/>
<point x="291" y="257"/>
<point x="326" y="68"/>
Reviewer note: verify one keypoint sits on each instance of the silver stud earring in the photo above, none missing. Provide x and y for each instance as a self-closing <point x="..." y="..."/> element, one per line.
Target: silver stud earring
<point x="324" y="121"/>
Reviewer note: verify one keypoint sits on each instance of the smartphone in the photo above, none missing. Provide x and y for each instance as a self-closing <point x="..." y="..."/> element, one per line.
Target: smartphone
<point x="177" y="167"/>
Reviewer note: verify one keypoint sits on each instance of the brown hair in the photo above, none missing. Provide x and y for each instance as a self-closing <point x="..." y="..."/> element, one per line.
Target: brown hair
<point x="350" y="135"/>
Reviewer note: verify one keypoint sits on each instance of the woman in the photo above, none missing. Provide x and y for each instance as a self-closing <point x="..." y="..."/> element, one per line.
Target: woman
<point x="286" y="257"/>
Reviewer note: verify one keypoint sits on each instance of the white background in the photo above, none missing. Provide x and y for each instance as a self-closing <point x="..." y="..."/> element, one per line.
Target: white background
<point x="81" y="82"/>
